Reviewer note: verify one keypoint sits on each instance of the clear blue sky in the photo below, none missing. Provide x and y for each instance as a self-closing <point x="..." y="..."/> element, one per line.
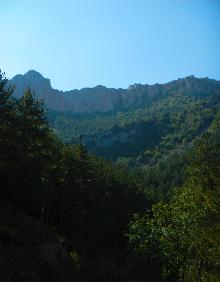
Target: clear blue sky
<point x="79" y="43"/>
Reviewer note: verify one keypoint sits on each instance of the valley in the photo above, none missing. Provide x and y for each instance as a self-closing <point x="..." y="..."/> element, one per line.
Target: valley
<point x="117" y="193"/>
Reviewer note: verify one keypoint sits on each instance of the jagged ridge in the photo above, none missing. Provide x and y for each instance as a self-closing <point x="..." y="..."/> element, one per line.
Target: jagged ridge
<point x="103" y="99"/>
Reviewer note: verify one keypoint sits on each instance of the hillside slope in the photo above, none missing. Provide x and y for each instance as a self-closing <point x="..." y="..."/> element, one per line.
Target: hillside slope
<point x="30" y="250"/>
<point x="138" y="125"/>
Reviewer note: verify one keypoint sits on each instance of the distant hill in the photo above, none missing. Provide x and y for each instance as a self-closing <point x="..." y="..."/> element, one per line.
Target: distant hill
<point x="102" y="99"/>
<point x="137" y="126"/>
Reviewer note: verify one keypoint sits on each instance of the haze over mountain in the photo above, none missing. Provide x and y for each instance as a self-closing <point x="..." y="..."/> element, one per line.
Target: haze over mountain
<point x="103" y="99"/>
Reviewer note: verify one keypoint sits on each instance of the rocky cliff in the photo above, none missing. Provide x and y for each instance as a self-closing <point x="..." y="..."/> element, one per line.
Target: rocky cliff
<point x="103" y="99"/>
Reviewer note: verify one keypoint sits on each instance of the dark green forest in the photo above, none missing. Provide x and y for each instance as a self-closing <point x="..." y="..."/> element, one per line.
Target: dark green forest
<point x="142" y="136"/>
<point x="146" y="207"/>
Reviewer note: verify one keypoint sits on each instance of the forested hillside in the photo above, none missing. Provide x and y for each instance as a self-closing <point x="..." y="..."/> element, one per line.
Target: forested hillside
<point x="137" y="126"/>
<point x="69" y="215"/>
<point x="181" y="238"/>
<point x="86" y="201"/>
<point x="142" y="136"/>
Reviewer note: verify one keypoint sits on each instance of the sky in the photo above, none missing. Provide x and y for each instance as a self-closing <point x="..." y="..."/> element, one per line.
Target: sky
<point x="116" y="43"/>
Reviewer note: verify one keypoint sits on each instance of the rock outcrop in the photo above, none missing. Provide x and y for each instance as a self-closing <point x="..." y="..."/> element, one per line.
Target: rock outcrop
<point x="102" y="99"/>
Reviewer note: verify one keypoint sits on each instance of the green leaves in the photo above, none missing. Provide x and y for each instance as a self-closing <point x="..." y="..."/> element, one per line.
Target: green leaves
<point x="147" y="134"/>
<point x="185" y="232"/>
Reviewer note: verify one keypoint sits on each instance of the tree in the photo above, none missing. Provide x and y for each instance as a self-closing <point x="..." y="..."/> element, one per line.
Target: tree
<point x="25" y="142"/>
<point x="184" y="235"/>
<point x="8" y="120"/>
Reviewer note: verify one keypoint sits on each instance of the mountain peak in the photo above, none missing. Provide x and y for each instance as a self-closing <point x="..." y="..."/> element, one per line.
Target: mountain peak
<point x="33" y="79"/>
<point x="30" y="75"/>
<point x="33" y="74"/>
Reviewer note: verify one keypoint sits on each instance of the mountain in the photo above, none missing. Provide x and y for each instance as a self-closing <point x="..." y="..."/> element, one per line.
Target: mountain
<point x="137" y="126"/>
<point x="67" y="215"/>
<point x="102" y="99"/>
<point x="147" y="135"/>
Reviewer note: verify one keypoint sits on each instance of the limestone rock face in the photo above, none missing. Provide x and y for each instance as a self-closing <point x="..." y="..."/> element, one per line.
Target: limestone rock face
<point x="102" y="99"/>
